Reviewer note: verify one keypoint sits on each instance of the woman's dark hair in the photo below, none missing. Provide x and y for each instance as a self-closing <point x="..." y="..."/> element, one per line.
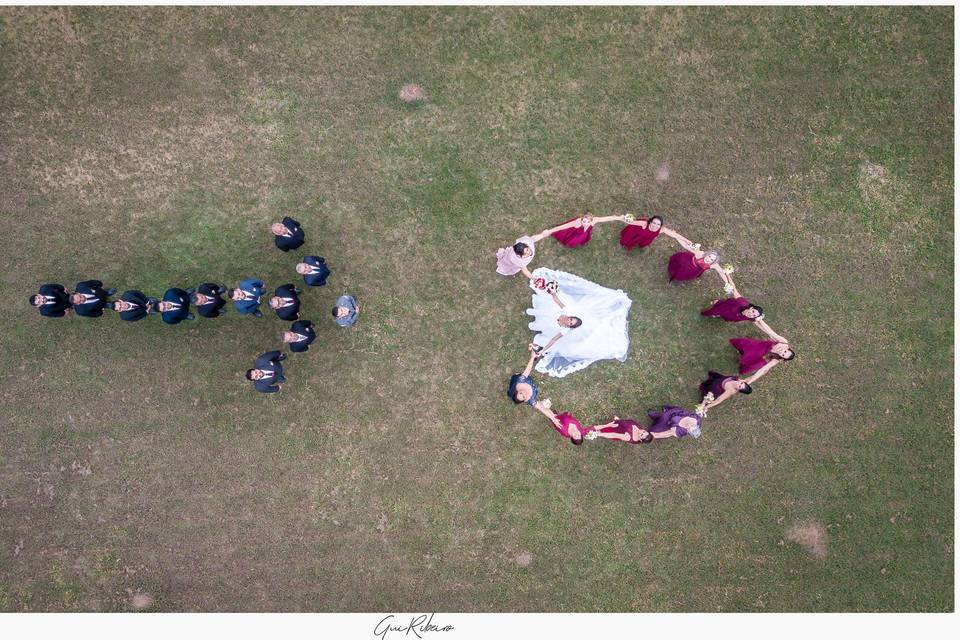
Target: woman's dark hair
<point x="519" y="248"/>
<point x="647" y="439"/>
<point x="577" y="320"/>
<point x="746" y="389"/>
<point x="249" y="374"/>
<point x="515" y="399"/>
<point x="752" y="306"/>
<point x="335" y="311"/>
<point x="652" y="218"/>
<point x="576" y="441"/>
<point x="793" y="354"/>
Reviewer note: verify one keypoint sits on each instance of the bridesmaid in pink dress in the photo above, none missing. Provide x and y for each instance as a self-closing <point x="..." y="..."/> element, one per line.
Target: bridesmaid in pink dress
<point x="514" y="259"/>
<point x="640" y="233"/>
<point x="566" y="425"/>
<point x="757" y="354"/>
<point x="626" y="430"/>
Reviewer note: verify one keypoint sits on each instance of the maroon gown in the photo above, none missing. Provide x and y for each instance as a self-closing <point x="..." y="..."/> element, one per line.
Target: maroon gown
<point x="684" y="265"/>
<point x="752" y="353"/>
<point x="624" y="426"/>
<point x="574" y="237"/>
<point x="730" y="309"/>
<point x="714" y="384"/>
<point x="634" y="236"/>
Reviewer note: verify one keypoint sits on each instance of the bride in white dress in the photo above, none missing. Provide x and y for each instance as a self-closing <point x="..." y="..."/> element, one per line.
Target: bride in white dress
<point x="579" y="324"/>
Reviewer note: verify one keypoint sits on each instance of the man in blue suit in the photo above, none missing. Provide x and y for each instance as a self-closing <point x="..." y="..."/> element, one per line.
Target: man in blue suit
<point x="314" y="270"/>
<point x="133" y="305"/>
<point x="89" y="298"/>
<point x="175" y="306"/>
<point x="286" y="302"/>
<point x="287" y="234"/>
<point x="267" y="372"/>
<point x="53" y="301"/>
<point x="207" y="299"/>
<point x="300" y="336"/>
<point x="246" y="297"/>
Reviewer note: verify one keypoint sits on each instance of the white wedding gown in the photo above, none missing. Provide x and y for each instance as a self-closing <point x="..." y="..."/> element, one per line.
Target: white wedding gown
<point x="603" y="334"/>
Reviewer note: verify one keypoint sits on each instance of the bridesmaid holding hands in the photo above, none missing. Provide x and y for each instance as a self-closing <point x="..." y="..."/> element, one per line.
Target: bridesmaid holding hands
<point x="640" y="233"/>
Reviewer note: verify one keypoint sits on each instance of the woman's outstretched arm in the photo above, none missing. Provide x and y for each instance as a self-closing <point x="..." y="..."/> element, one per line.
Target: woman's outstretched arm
<point x="763" y="371"/>
<point x="683" y="242"/>
<point x="763" y="326"/>
<point x="552" y="342"/>
<point x="552" y="230"/>
<point x="727" y="393"/>
<point x="529" y="368"/>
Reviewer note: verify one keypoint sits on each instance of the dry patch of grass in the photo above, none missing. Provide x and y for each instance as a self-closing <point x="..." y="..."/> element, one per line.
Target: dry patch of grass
<point x="811" y="536"/>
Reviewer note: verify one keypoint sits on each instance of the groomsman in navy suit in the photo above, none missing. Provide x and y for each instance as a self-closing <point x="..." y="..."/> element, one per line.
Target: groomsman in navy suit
<point x="53" y="301"/>
<point x="133" y="305"/>
<point x="314" y="270"/>
<point x="300" y="336"/>
<point x="267" y="372"/>
<point x="286" y="302"/>
<point x="246" y="297"/>
<point x="288" y="234"/>
<point x="207" y="300"/>
<point x="175" y="306"/>
<point x="89" y="298"/>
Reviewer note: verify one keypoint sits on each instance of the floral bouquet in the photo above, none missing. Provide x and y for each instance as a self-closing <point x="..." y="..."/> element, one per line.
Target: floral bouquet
<point x="592" y="435"/>
<point x="546" y="404"/>
<point x="551" y="287"/>
<point x="695" y="246"/>
<point x="540" y="283"/>
<point x="728" y="268"/>
<point x="629" y="217"/>
<point x="728" y="288"/>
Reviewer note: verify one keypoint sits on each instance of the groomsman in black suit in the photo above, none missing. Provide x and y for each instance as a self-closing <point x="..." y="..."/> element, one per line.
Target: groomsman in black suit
<point x="175" y="306"/>
<point x="286" y="302"/>
<point x="133" y="305"/>
<point x="314" y="270"/>
<point x="267" y="372"/>
<point x="300" y="336"/>
<point x="207" y="299"/>
<point x="288" y="234"/>
<point x="53" y="301"/>
<point x="89" y="298"/>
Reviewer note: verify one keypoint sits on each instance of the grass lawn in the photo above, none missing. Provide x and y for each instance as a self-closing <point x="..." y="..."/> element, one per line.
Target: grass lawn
<point x="152" y="148"/>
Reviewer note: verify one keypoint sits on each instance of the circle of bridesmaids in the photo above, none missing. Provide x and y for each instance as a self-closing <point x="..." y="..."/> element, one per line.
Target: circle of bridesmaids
<point x="756" y="357"/>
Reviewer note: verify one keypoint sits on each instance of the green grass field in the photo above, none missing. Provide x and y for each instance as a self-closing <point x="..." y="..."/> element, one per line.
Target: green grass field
<point x="152" y="148"/>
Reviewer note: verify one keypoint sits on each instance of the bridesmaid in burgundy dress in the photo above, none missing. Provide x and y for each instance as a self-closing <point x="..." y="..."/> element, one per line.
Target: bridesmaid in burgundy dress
<point x="626" y="430"/>
<point x="640" y="233"/>
<point x="577" y="232"/>
<point x="687" y="265"/>
<point x="565" y="424"/>
<point x="739" y="309"/>
<point x="756" y="354"/>
<point x="722" y="387"/>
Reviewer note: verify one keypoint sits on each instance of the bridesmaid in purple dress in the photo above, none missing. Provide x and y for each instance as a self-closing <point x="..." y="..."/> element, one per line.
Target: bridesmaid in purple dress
<point x="674" y="422"/>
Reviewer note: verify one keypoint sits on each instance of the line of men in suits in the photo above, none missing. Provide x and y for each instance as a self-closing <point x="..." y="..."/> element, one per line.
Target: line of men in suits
<point x="89" y="299"/>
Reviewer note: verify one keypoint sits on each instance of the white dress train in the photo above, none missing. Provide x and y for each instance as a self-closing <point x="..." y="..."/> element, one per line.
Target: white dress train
<point x="602" y="336"/>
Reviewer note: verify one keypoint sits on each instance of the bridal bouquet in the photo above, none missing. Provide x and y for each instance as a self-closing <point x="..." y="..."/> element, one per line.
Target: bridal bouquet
<point x="628" y="217"/>
<point x="540" y="283"/>
<point x="593" y="435"/>
<point x="552" y="286"/>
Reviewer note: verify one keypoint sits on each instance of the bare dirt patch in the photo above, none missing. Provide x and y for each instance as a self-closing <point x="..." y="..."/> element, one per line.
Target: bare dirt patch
<point x="662" y="176"/>
<point x="412" y="93"/>
<point x="811" y="536"/>
<point x="141" y="601"/>
<point x="524" y="559"/>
